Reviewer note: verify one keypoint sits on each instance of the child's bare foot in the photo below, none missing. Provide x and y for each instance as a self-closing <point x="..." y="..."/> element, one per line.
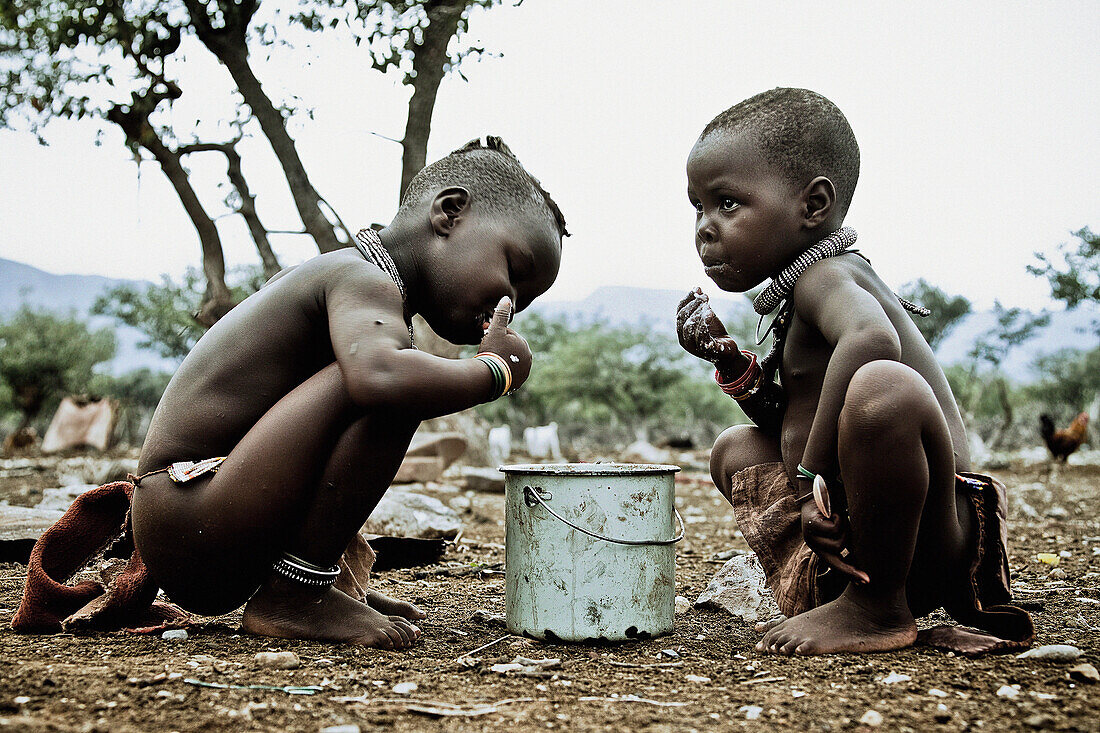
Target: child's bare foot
<point x="288" y="611"/>
<point x="392" y="606"/>
<point x="843" y="625"/>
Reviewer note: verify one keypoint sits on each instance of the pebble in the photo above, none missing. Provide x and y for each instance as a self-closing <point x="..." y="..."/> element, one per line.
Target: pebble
<point x="942" y="714"/>
<point x="937" y="693"/>
<point x="1084" y="672"/>
<point x="895" y="677"/>
<point x="752" y="712"/>
<point x="1058" y="512"/>
<point x="1039" y="721"/>
<point x="278" y="660"/>
<point x="21" y="700"/>
<point x="405" y="688"/>
<point x="1009" y="691"/>
<point x="1065" y="554"/>
<point x="175" y="635"/>
<point x="872" y="718"/>
<point x="1052" y="653"/>
<point x="1057" y="574"/>
<point x="683" y="605"/>
<point x="345" y="728"/>
<point x="697" y="679"/>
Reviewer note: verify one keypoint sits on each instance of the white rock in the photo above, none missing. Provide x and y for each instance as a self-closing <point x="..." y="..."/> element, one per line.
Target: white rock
<point x="1052" y="653"/>
<point x="345" y="728"/>
<point x="405" y="514"/>
<point x="1058" y="512"/>
<point x="1065" y="554"/>
<point x="697" y="679"/>
<point x="872" y="718"/>
<point x="752" y="712"/>
<point x="895" y="677"/>
<point x="21" y="700"/>
<point x="683" y="605"/>
<point x="1085" y="672"/>
<point x="175" y="635"/>
<point x="405" y="688"/>
<point x="937" y="693"/>
<point x="741" y="589"/>
<point x="278" y="660"/>
<point x="1009" y="691"/>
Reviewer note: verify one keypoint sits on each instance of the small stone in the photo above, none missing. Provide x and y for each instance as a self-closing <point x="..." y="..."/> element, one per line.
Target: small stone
<point x="405" y="688"/>
<point x="752" y="712"/>
<point x="872" y="718"/>
<point x="1084" y="672"/>
<point x="345" y="728"/>
<point x="1065" y="554"/>
<point x="797" y="694"/>
<point x="1039" y="721"/>
<point x="671" y="653"/>
<point x="1052" y="653"/>
<point x="1057" y="574"/>
<point x="937" y="693"/>
<point x="894" y="677"/>
<point x="697" y="679"/>
<point x="21" y="700"/>
<point x="1058" y="512"/>
<point x="1009" y="691"/>
<point x="175" y="635"/>
<point x="683" y="605"/>
<point x="278" y="660"/>
<point x="942" y="714"/>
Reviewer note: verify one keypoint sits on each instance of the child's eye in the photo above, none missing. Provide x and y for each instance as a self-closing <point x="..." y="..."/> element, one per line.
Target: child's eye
<point x="698" y="205"/>
<point x="727" y="204"/>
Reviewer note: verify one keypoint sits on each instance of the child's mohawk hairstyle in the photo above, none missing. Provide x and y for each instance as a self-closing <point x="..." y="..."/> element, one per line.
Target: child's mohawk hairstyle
<point x="493" y="174"/>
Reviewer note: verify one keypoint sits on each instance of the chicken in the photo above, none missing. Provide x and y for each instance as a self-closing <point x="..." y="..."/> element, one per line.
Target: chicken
<point x="1067" y="440"/>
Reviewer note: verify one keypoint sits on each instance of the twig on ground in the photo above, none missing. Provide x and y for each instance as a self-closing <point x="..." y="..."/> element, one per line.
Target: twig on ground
<point x="483" y="647"/>
<point x="634" y="698"/>
<point x="763" y="679"/>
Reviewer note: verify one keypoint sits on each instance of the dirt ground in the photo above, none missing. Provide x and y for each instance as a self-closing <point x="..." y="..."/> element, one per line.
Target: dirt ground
<point x="704" y="676"/>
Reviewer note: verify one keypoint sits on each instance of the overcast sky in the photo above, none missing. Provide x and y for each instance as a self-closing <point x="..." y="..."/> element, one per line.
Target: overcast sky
<point x="977" y="124"/>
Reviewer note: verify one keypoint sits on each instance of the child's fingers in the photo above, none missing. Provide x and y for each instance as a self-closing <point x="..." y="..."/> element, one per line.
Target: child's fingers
<point x="838" y="563"/>
<point x="502" y="314"/>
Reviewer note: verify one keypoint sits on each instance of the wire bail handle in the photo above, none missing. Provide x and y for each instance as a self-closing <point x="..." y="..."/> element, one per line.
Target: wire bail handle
<point x="533" y="496"/>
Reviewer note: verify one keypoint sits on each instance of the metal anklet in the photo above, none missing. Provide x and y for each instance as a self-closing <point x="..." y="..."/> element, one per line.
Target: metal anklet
<point x="304" y="572"/>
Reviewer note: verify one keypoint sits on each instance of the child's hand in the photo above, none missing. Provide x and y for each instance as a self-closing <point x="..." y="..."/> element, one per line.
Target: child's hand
<point x="506" y="343"/>
<point x="701" y="332"/>
<point x="828" y="538"/>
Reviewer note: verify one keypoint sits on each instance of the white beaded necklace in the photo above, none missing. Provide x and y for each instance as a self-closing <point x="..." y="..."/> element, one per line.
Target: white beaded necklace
<point x="370" y="246"/>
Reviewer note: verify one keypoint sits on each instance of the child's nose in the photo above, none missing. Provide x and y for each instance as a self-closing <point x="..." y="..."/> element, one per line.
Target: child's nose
<point x="704" y="231"/>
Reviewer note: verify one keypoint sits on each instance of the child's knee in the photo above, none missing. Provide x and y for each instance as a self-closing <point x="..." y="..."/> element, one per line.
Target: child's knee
<point x="739" y="447"/>
<point x="885" y="398"/>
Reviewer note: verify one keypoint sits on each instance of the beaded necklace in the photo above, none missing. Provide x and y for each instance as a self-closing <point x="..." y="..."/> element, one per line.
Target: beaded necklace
<point x="777" y="293"/>
<point x="370" y="246"/>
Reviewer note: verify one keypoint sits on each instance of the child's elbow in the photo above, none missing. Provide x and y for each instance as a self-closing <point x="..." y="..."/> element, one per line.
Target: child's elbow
<point x="374" y="385"/>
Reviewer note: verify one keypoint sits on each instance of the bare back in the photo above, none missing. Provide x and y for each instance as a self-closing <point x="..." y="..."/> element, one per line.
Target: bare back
<point x="261" y="350"/>
<point x="808" y="352"/>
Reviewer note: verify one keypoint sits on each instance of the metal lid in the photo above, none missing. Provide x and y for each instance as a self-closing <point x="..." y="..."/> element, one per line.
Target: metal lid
<point x="588" y="469"/>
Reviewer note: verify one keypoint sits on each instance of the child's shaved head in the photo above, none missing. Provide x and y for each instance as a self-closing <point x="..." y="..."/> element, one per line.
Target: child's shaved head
<point x="800" y="132"/>
<point x="495" y="178"/>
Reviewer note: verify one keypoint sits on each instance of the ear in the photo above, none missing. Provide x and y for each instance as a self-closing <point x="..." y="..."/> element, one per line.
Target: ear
<point x="448" y="208"/>
<point x="818" y="201"/>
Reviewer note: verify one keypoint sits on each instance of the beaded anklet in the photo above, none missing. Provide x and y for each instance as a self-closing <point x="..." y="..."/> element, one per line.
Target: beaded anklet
<point x="304" y="572"/>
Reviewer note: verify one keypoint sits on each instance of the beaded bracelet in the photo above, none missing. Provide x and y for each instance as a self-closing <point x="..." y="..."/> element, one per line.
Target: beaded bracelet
<point x="502" y="374"/>
<point x="745" y="385"/>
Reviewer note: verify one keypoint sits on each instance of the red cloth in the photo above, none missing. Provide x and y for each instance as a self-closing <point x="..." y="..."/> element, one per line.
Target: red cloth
<point x="50" y="606"/>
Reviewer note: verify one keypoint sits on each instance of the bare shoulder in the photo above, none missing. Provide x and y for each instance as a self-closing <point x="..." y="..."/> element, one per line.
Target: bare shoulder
<point x="341" y="279"/>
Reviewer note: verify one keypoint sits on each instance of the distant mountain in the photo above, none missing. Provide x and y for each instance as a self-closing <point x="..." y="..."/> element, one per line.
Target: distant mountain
<point x="614" y="305"/>
<point x="74" y="294"/>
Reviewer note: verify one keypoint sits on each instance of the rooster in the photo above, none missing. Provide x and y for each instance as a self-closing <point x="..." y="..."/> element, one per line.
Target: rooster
<point x="1062" y="443"/>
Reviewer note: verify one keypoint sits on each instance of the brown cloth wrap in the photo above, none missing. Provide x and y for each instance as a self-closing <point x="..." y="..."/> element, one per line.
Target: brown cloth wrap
<point x="92" y="521"/>
<point x="771" y="520"/>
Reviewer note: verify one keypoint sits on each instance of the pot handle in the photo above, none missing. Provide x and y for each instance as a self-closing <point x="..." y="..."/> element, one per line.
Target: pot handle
<point x="533" y="495"/>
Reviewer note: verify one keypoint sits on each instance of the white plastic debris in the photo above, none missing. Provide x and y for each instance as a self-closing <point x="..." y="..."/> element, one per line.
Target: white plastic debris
<point x="1009" y="691"/>
<point x="1052" y="653"/>
<point x="752" y="712"/>
<point x="894" y="677"/>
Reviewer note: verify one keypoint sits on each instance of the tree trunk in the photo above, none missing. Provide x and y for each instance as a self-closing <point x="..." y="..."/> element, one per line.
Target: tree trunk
<point x="429" y="58"/>
<point x="217" y="300"/>
<point x="247" y="209"/>
<point x="229" y="44"/>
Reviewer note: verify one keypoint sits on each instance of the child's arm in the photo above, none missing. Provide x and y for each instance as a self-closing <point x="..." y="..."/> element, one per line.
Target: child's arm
<point x="852" y="320"/>
<point x="371" y="343"/>
<point x="702" y="334"/>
